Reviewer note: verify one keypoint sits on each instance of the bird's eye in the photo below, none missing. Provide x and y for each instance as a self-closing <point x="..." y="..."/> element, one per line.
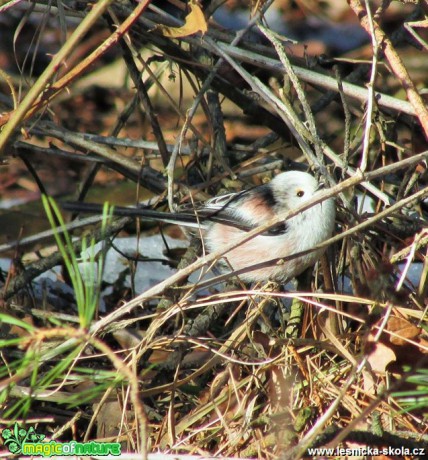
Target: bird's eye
<point x="300" y="193"/>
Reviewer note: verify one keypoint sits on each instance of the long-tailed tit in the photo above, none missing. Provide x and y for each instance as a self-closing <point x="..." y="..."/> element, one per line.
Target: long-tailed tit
<point x="225" y="219"/>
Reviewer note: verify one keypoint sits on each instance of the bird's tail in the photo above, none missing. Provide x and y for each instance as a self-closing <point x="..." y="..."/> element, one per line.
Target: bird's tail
<point x="186" y="219"/>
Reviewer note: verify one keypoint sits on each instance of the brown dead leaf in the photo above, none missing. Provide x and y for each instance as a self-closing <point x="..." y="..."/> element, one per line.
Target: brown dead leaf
<point x="402" y="328"/>
<point x="394" y="345"/>
<point x="381" y="356"/>
<point x="194" y="22"/>
<point x="109" y="419"/>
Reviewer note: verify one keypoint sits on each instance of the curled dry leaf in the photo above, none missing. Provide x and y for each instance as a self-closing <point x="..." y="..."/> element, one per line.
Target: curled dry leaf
<point x="402" y="330"/>
<point x="398" y="343"/>
<point x="381" y="356"/>
<point x="194" y="22"/>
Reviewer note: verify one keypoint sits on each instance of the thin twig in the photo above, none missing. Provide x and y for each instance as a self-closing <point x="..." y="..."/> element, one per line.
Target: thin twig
<point x="36" y="100"/>
<point x="370" y="93"/>
<point x="310" y="120"/>
<point x="205" y="86"/>
<point x="396" y="64"/>
<point x="43" y="81"/>
<point x="317" y="79"/>
<point x="300" y="132"/>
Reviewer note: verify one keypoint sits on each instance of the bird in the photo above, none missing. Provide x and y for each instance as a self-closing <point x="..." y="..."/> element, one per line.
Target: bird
<point x="225" y="219"/>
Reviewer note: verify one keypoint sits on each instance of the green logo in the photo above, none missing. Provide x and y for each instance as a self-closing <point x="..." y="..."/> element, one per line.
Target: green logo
<point x="14" y="438"/>
<point x="28" y="442"/>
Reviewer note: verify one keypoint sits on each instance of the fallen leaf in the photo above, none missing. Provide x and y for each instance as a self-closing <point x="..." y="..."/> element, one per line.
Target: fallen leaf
<point x="394" y="345"/>
<point x="194" y="22"/>
<point x="380" y="357"/>
<point x="402" y="328"/>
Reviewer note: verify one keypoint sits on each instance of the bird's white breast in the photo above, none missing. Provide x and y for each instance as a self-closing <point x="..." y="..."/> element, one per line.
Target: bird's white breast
<point x="304" y="231"/>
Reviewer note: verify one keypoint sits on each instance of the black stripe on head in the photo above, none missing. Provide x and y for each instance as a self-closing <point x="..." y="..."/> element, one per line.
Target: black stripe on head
<point x="265" y="192"/>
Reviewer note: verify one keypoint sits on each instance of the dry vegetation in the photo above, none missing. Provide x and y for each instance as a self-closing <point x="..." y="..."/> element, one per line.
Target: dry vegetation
<point x="99" y="98"/>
